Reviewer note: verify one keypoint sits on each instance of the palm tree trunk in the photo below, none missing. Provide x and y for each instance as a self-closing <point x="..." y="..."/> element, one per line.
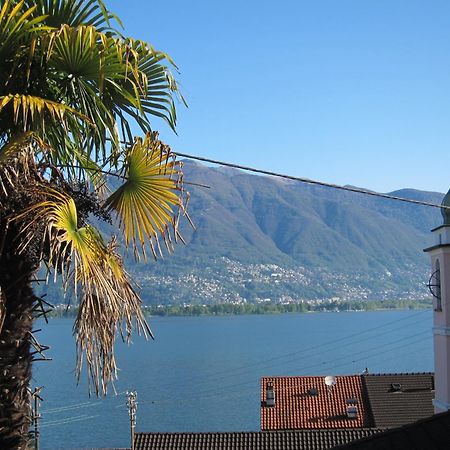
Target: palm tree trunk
<point x="15" y="356"/>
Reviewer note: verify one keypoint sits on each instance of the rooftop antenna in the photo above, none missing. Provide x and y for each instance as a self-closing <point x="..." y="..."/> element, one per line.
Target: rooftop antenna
<point x="35" y="416"/>
<point x="330" y="381"/>
<point x="132" y="407"/>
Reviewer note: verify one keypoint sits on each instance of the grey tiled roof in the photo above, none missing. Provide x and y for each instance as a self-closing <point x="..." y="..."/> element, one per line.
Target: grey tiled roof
<point x="398" y="399"/>
<point x="264" y="440"/>
<point x="432" y="433"/>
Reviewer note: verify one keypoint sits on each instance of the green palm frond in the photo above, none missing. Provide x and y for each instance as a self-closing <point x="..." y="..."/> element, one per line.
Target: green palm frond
<point x="71" y="90"/>
<point x="145" y="202"/>
<point x="86" y="60"/>
<point x="74" y="13"/>
<point x="75" y="52"/>
<point x="86" y="169"/>
<point x="148" y="73"/>
<point x="16" y="23"/>
<point x="107" y="300"/>
<point x="33" y="112"/>
<point x="85" y="53"/>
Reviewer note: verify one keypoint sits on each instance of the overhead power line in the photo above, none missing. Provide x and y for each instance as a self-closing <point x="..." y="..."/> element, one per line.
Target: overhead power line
<point x="309" y="181"/>
<point x="268" y="363"/>
<point x="367" y="354"/>
<point x="68" y="420"/>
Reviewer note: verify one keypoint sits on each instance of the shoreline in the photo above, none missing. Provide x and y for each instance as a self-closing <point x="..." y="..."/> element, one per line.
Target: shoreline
<point x="230" y="309"/>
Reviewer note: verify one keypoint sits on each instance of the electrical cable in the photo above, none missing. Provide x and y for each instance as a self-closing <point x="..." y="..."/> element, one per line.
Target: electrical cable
<point x="68" y="408"/>
<point x="299" y="179"/>
<point x="291" y="361"/>
<point x="88" y="404"/>
<point x="314" y="348"/>
<point x="265" y="363"/>
<point x="368" y="353"/>
<point x="67" y="421"/>
<point x="229" y="391"/>
<point x="268" y="366"/>
<point x="309" y="181"/>
<point x="310" y="349"/>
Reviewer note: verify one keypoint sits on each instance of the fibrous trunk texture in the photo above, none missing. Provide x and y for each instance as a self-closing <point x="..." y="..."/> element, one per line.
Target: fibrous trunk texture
<point x="15" y="356"/>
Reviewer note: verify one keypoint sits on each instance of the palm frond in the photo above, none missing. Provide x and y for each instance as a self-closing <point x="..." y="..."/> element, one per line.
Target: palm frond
<point x="16" y="22"/>
<point x="145" y="203"/>
<point x="86" y="169"/>
<point x="148" y="72"/>
<point x="74" y="13"/>
<point x="86" y="60"/>
<point x="15" y="145"/>
<point x="99" y="319"/>
<point x="71" y="88"/>
<point x="19" y="145"/>
<point x="107" y="300"/>
<point x="27" y="109"/>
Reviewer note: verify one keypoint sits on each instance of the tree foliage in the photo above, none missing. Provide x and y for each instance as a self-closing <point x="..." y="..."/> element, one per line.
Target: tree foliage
<point x="72" y="88"/>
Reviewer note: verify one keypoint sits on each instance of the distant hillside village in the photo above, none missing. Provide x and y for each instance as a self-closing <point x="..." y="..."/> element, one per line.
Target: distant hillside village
<point x="289" y="243"/>
<point x="275" y="241"/>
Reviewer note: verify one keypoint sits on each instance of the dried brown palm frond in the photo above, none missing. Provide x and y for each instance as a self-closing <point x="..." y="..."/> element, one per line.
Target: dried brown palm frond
<point x="71" y="90"/>
<point x="108" y="304"/>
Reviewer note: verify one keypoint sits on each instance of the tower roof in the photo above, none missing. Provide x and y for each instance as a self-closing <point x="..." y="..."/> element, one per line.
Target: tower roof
<point x="446" y="212"/>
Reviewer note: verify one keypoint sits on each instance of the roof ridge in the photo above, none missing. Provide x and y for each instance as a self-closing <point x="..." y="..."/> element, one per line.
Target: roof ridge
<point x="396" y="374"/>
<point x="305" y="430"/>
<point x="309" y="376"/>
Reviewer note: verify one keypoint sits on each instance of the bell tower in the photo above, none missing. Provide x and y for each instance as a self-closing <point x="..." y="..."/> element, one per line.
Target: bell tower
<point x="440" y="288"/>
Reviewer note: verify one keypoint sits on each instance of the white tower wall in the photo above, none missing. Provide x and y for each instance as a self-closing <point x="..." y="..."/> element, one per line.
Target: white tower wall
<point x="440" y="258"/>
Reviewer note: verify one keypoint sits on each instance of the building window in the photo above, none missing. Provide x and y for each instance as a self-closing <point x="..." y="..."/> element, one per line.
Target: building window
<point x="437" y="289"/>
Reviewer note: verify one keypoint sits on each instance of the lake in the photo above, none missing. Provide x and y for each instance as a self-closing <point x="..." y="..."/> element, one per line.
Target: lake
<point x="202" y="373"/>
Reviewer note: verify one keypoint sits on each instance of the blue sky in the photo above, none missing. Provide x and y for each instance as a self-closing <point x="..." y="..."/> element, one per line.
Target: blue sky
<point x="343" y="91"/>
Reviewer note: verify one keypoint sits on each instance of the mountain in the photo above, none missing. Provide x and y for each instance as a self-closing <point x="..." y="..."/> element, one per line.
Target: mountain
<point x="260" y="238"/>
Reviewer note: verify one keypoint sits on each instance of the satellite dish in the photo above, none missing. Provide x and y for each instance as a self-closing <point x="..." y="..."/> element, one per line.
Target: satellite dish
<point x="330" y="380"/>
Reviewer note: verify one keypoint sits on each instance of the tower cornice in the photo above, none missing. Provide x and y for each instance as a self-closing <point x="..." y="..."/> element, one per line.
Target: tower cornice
<point x="439" y="227"/>
<point x="434" y="247"/>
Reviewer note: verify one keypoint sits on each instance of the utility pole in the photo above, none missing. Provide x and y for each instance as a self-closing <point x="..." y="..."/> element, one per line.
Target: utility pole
<point x="132" y="407"/>
<point x="35" y="416"/>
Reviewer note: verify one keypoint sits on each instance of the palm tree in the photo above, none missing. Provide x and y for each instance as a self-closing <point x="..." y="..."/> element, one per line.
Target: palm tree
<point x="71" y="88"/>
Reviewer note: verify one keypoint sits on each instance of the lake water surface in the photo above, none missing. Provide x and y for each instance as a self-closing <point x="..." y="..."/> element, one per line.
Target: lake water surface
<point x="202" y="373"/>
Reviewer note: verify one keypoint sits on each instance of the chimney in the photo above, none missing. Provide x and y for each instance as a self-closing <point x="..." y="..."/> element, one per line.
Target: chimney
<point x="270" y="395"/>
<point x="352" y="409"/>
<point x="439" y="286"/>
<point x="352" y="412"/>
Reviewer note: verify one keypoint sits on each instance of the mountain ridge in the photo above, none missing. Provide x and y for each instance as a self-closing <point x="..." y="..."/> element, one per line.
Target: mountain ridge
<point x="257" y="234"/>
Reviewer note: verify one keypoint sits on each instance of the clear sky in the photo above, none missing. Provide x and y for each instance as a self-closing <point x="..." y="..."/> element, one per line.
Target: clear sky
<point x="343" y="91"/>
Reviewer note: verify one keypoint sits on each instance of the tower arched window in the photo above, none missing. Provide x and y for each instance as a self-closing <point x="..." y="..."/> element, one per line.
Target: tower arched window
<point x="434" y="285"/>
<point x="437" y="292"/>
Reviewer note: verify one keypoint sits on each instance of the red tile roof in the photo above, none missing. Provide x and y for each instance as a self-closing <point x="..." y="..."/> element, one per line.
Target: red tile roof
<point x="296" y="407"/>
